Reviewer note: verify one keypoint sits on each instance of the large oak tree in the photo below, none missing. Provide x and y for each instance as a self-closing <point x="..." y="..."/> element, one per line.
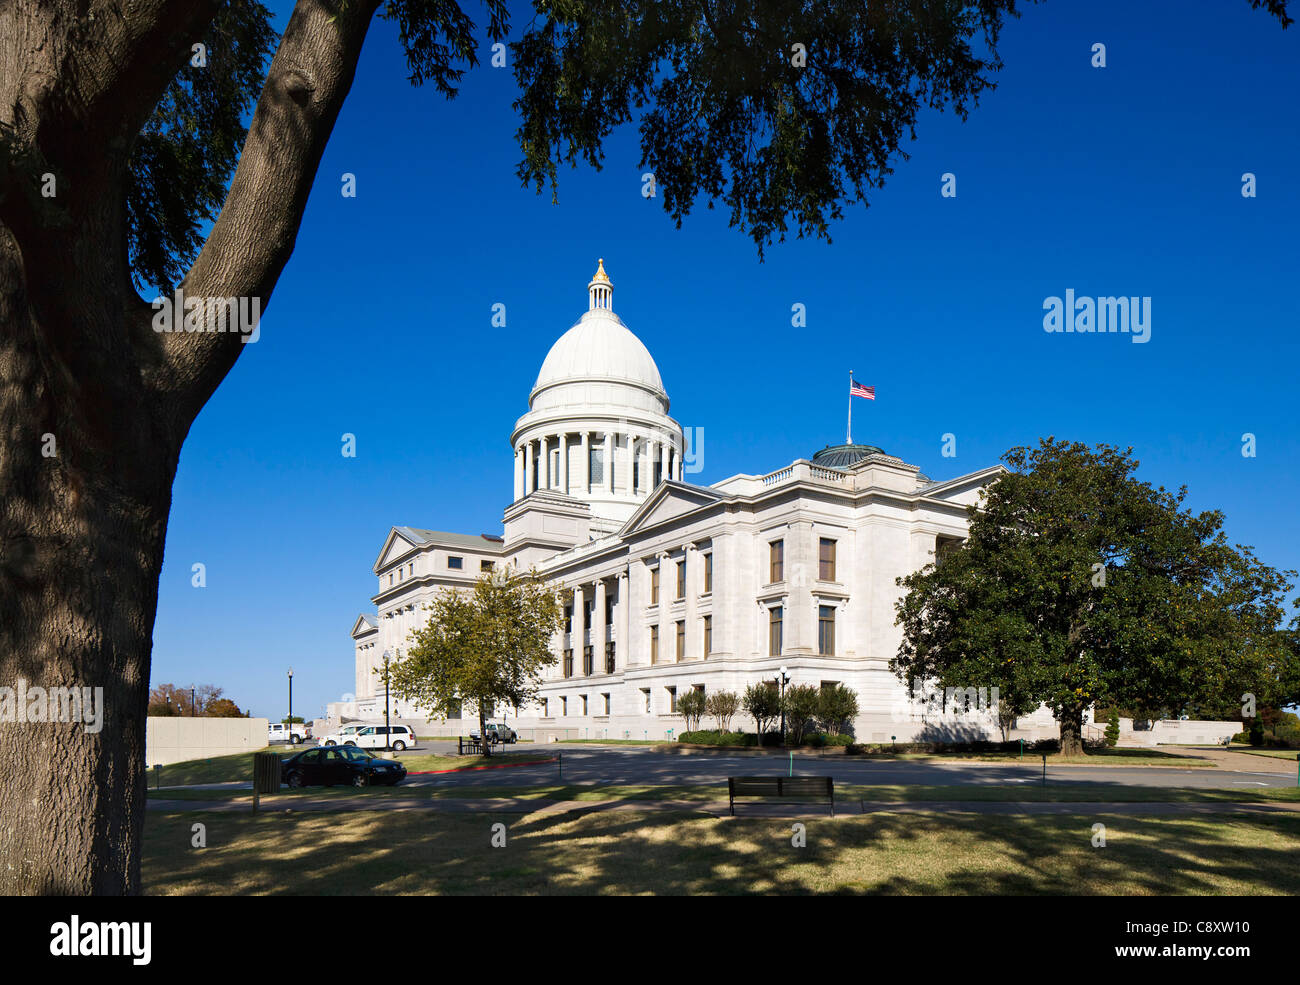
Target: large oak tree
<point x="121" y="147"/>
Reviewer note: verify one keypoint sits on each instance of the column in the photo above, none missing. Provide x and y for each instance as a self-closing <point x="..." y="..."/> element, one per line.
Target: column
<point x="598" y="630"/>
<point x="564" y="463"/>
<point x="519" y="473"/>
<point x="663" y="460"/>
<point x="623" y="635"/>
<point x="609" y="461"/>
<point x="586" y="463"/>
<point x="529" y="468"/>
<point x="545" y="472"/>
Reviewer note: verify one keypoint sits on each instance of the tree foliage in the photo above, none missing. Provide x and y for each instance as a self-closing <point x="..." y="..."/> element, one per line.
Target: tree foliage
<point x="1080" y="583"/>
<point x="723" y="705"/>
<point x="482" y="647"/>
<point x="801" y="704"/>
<point x="762" y="702"/>
<point x="691" y="706"/>
<point x="837" y="706"/>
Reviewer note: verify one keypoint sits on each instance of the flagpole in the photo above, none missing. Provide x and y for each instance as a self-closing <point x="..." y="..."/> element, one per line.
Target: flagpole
<point x="848" y="436"/>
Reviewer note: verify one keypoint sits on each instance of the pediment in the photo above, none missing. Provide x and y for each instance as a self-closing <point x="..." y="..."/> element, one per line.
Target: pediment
<point x="364" y="624"/>
<point x="396" y="546"/>
<point x="670" y="501"/>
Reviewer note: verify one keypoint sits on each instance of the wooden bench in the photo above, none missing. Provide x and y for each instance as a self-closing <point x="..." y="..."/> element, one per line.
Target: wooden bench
<point x="784" y="788"/>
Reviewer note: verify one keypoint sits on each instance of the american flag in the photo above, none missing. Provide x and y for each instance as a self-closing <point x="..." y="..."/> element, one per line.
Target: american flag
<point x="856" y="389"/>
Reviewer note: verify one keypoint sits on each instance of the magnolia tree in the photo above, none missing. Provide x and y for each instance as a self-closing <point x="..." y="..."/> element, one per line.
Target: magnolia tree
<point x="482" y="647"/>
<point x="1080" y="583"/>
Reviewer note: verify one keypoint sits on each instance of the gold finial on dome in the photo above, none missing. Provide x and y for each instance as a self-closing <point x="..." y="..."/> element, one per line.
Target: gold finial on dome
<point x="601" y="290"/>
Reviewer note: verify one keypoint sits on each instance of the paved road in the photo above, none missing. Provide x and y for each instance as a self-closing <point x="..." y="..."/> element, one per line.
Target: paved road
<point x="641" y="765"/>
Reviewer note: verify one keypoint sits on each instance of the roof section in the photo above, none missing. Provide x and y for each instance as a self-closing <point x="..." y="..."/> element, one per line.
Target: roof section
<point x="480" y="542"/>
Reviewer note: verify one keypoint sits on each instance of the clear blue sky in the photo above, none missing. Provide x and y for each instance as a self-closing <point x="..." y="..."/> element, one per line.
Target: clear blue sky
<point x="1123" y="180"/>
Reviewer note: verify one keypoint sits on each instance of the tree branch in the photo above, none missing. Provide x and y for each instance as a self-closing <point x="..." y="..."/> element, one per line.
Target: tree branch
<point x="309" y="79"/>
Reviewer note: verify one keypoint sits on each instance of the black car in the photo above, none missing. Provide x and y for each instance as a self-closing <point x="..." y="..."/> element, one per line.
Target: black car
<point x="339" y="764"/>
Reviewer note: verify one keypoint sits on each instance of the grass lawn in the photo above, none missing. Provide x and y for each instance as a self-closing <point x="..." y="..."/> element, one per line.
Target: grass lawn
<point x="848" y="794"/>
<point x="1290" y="754"/>
<point x="627" y="853"/>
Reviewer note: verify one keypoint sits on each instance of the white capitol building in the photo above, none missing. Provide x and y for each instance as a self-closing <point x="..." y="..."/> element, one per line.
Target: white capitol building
<point x="677" y="586"/>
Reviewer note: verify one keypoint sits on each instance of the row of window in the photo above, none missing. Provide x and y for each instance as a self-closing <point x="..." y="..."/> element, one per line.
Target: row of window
<point x="454" y="563"/>
<point x="647" y="706"/>
<point x="825" y="560"/>
<point x="825" y="630"/>
<point x="681" y="579"/>
<point x="588" y="660"/>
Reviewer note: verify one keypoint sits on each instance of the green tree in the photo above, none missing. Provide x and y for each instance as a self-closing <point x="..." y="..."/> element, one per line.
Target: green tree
<point x="762" y="702"/>
<point x="1112" y="729"/>
<point x="158" y="183"/>
<point x="485" y="646"/>
<point x="691" y="706"/>
<point x="801" y="704"/>
<point x="836" y="708"/>
<point x="723" y="705"/>
<point x="1080" y="583"/>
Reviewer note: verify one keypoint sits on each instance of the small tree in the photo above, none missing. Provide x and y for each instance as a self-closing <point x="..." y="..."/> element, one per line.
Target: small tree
<point x="1256" y="732"/>
<point x="723" y="706"/>
<point x="836" y="708"/>
<point x="1112" y="729"/>
<point x="801" y="704"/>
<point x="691" y="706"/>
<point x="762" y="703"/>
<point x="488" y="646"/>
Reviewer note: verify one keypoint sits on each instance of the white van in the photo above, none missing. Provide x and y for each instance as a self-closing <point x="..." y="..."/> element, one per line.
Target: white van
<point x="399" y="737"/>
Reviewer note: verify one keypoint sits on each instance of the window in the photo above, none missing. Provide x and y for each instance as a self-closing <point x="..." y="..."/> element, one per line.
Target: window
<point x="605" y="703"/>
<point x="589" y="614"/>
<point x="654" y="586"/>
<point x="826" y="559"/>
<point x="586" y="660"/>
<point x="584" y="704"/>
<point x="568" y="618"/>
<point x="681" y="640"/>
<point x="597" y="464"/>
<point x="568" y="663"/>
<point x="401" y="573"/>
<point x="776" y="561"/>
<point x="556" y="483"/>
<point x="654" y="644"/>
<point x="826" y="630"/>
<point x="609" y="657"/>
<point x="636" y="470"/>
<point x="609" y="609"/>
<point x="390" y="578"/>
<point x="681" y="579"/>
<point x="546" y="707"/>
<point x="708" y="573"/>
<point x="564" y="705"/>
<point x="486" y="565"/>
<point x="645" y="698"/>
<point x="774" y="641"/>
<point x="411" y="569"/>
<point x="455" y="563"/>
<point x="672" y="700"/>
<point x="708" y="636"/>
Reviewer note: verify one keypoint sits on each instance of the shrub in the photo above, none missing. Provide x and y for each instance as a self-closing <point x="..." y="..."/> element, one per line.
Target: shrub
<point x="801" y="701"/>
<point x="723" y="706"/>
<point x="1256" y="731"/>
<point x="1112" y="729"/>
<point x="691" y="706"/>
<point x="762" y="702"/>
<point x="836" y="708"/>
<point x="713" y="737"/>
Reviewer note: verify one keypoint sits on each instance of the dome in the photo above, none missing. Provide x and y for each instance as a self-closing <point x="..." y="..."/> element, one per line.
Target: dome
<point x="842" y="456"/>
<point x="599" y="347"/>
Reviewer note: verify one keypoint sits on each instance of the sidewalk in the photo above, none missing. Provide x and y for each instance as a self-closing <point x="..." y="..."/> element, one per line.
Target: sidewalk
<point x="1241" y="761"/>
<point x="845" y="808"/>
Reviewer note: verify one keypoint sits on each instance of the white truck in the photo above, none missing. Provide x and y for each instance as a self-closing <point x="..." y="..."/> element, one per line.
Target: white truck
<point x="292" y="734"/>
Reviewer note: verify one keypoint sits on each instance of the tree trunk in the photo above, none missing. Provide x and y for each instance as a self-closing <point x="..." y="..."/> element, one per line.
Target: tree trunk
<point x="1071" y="720"/>
<point x="83" y="511"/>
<point x="482" y="731"/>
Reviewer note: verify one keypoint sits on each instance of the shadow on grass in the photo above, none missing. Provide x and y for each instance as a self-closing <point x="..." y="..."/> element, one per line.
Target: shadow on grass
<point x="603" y="851"/>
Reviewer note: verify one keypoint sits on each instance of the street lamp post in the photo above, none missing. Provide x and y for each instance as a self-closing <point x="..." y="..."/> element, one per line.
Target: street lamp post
<point x="290" y="722"/>
<point x="193" y="710"/>
<point x="387" y="735"/>
<point x="782" y="681"/>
